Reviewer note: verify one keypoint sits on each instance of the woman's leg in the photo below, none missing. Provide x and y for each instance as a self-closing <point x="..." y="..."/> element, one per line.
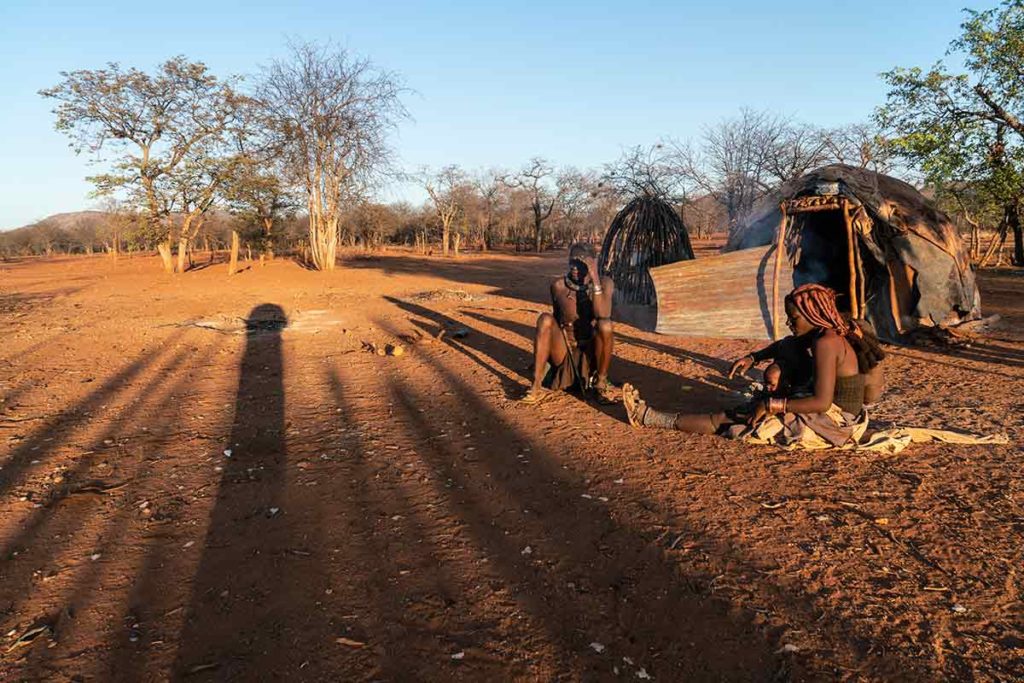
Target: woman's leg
<point x="700" y="423"/>
<point x="642" y="415"/>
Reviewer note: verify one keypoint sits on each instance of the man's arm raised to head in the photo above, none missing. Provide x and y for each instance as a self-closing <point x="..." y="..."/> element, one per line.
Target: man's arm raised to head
<point x="603" y="301"/>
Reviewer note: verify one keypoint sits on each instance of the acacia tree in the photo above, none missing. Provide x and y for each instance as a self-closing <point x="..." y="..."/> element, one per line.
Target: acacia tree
<point x="331" y="114"/>
<point x="965" y="130"/>
<point x="256" y="191"/>
<point x="154" y="123"/>
<point x="535" y="179"/>
<point x="488" y="188"/>
<point x="446" y="191"/>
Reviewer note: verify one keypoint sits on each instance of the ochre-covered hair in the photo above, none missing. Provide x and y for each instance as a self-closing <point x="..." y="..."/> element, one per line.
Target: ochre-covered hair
<point x="817" y="303"/>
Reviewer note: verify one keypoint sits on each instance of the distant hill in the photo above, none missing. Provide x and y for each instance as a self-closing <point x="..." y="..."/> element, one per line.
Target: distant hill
<point x="65" y="221"/>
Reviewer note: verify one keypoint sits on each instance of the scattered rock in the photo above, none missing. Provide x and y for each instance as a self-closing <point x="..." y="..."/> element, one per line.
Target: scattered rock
<point x="459" y="655"/>
<point x="527" y="551"/>
<point x="30" y="636"/>
<point x="395" y="350"/>
<point x="348" y="642"/>
<point x="597" y="647"/>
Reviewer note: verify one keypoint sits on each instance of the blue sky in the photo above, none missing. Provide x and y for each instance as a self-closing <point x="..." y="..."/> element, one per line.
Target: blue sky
<point x="496" y="83"/>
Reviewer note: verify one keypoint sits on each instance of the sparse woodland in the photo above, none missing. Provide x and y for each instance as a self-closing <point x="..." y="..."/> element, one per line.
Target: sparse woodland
<point x="291" y="160"/>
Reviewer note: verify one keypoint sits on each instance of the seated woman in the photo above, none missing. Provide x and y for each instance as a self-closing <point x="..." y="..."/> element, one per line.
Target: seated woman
<point x="847" y="376"/>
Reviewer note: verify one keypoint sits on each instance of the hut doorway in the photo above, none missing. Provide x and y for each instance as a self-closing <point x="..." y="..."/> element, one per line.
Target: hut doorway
<point x="821" y="256"/>
<point x="822" y="242"/>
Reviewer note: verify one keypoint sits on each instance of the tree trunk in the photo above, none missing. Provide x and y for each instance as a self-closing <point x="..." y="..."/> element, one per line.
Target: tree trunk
<point x="538" y="240"/>
<point x="164" y="249"/>
<point x="1018" y="237"/>
<point x="268" y="249"/>
<point x="996" y="243"/>
<point x="233" y="262"/>
<point x="445" y="237"/>
<point x="456" y="243"/>
<point x="182" y="253"/>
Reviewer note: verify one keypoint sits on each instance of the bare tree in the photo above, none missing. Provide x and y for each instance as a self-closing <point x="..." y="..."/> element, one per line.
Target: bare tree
<point x="155" y="122"/>
<point x="644" y="171"/>
<point x="446" y="191"/>
<point x="740" y="159"/>
<point x="535" y="179"/>
<point x="858" y="144"/>
<point x="793" y="149"/>
<point x="332" y="113"/>
<point x="488" y="188"/>
<point x="578" y="191"/>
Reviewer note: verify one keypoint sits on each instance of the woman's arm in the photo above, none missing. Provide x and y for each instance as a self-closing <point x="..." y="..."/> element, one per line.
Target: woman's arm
<point x="741" y="365"/>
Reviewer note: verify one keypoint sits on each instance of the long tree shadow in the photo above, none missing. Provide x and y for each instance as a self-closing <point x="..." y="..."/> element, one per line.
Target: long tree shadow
<point x="710" y="362"/>
<point x="409" y="589"/>
<point x="61" y="424"/>
<point x="85" y="596"/>
<point x="982" y="353"/>
<point x="664" y="387"/>
<point x="241" y="615"/>
<point x="949" y="363"/>
<point x="505" y="277"/>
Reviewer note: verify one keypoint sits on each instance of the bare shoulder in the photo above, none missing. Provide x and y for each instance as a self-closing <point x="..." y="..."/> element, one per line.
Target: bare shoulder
<point x="557" y="285"/>
<point x="607" y="284"/>
<point x="827" y="341"/>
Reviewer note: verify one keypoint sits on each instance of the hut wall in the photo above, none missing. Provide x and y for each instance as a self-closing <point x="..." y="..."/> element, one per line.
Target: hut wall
<point x="728" y="296"/>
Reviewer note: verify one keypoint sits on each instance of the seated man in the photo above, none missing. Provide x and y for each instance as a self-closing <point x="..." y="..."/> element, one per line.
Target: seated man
<point x="573" y="347"/>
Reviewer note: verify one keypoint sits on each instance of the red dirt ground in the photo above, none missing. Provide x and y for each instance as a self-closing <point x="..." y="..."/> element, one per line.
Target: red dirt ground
<point x="384" y="518"/>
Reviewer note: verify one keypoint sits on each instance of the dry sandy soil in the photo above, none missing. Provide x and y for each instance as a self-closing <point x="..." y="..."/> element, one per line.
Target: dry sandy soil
<point x="185" y="496"/>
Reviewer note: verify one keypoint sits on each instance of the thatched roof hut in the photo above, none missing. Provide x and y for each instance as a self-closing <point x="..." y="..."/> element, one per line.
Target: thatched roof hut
<point x="648" y="232"/>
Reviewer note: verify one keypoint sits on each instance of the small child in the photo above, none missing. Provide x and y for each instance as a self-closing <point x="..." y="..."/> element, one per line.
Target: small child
<point x="791" y="372"/>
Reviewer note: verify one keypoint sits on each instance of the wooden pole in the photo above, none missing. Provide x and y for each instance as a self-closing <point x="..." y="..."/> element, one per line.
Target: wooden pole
<point x="861" y="280"/>
<point x="780" y="248"/>
<point x="851" y="259"/>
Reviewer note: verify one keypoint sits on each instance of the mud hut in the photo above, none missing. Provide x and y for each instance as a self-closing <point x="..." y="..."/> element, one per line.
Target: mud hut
<point x="893" y="257"/>
<point x="648" y="232"/>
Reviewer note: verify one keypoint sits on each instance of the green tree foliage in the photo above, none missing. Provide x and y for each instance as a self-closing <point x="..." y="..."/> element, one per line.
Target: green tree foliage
<point x="962" y="128"/>
<point x="162" y="128"/>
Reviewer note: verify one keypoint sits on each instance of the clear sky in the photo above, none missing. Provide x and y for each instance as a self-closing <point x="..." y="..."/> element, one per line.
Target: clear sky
<point x="495" y="82"/>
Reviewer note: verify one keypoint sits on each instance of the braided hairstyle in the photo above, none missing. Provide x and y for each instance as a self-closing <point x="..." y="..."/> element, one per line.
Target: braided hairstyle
<point x="817" y="303"/>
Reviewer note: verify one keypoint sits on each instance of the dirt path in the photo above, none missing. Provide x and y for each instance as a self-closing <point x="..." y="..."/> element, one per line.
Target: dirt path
<point x="183" y="495"/>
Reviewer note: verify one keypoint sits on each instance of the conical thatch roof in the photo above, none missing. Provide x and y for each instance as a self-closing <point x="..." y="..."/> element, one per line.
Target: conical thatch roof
<point x="646" y="233"/>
